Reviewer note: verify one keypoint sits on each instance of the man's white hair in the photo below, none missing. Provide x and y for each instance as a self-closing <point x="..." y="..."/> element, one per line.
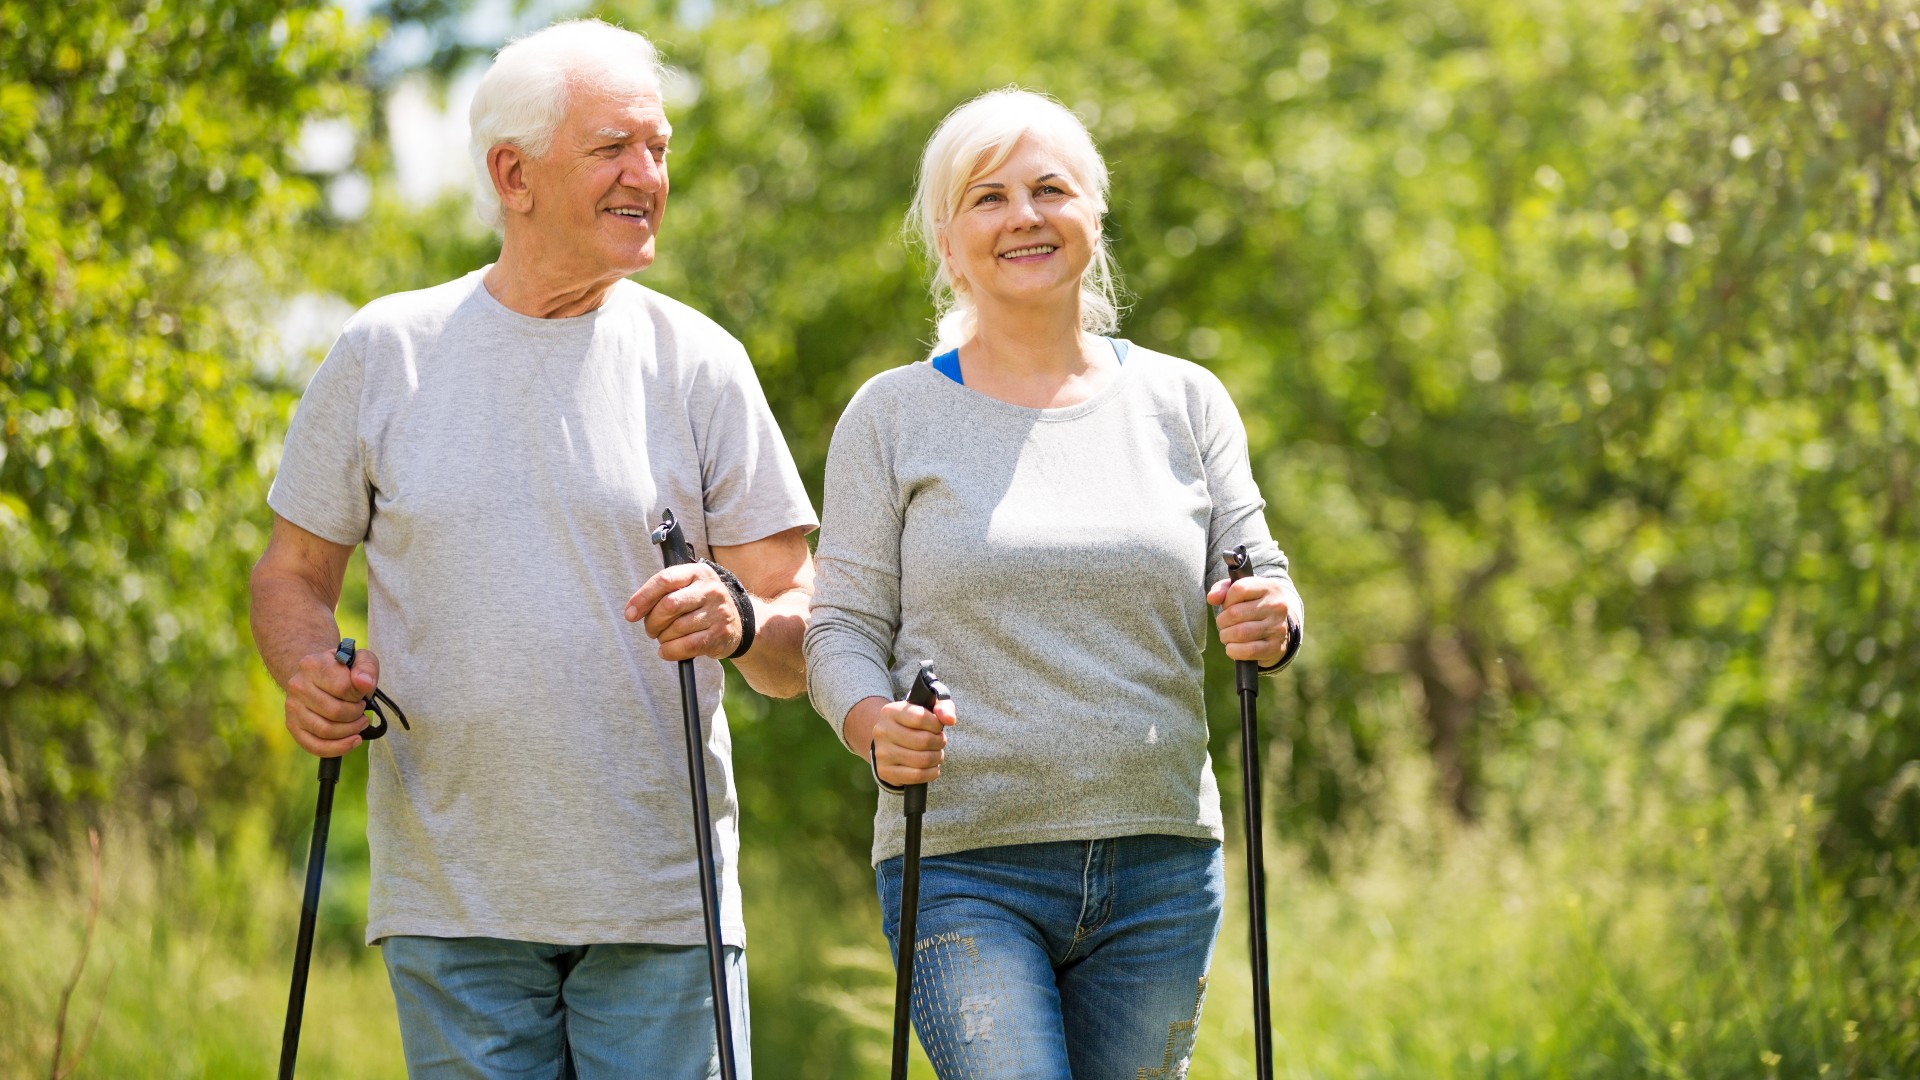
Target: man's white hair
<point x="976" y="139"/>
<point x="522" y="99"/>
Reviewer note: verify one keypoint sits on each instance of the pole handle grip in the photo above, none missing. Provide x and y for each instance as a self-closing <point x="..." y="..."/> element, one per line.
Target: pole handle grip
<point x="1246" y="673"/>
<point x="926" y="691"/>
<point x="1239" y="563"/>
<point x="1240" y="566"/>
<point x="674" y="549"/>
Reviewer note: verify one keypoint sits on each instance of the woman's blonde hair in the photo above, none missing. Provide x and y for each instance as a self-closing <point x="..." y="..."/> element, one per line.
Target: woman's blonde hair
<point x="976" y="139"/>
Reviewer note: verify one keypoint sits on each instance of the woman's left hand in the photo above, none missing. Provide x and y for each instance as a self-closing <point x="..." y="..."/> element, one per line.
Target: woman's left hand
<point x="1254" y="613"/>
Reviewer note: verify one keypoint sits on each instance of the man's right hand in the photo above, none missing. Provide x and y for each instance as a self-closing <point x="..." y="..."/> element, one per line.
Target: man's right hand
<point x="296" y="586"/>
<point x="326" y="701"/>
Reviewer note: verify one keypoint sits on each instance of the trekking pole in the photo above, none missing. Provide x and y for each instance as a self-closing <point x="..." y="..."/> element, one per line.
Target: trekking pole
<point x="674" y="551"/>
<point x="316" y="862"/>
<point x="927" y="690"/>
<point x="1246" y="677"/>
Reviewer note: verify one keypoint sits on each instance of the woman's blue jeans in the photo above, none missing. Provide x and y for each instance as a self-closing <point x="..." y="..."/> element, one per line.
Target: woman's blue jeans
<point x="1075" y="959"/>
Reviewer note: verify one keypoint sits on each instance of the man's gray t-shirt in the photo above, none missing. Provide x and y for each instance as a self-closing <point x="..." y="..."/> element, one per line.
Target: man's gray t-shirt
<point x="503" y="473"/>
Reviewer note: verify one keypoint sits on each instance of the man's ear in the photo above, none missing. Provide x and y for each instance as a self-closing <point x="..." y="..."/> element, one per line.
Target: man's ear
<point x="506" y="165"/>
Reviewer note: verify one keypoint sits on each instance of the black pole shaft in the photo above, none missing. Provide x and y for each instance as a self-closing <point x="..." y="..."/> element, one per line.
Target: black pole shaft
<point x="915" y="798"/>
<point x="709" y="882"/>
<point x="309" y="913"/>
<point x="1247" y="679"/>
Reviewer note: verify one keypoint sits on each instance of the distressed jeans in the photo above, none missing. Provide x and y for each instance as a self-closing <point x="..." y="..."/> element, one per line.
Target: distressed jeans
<point x="1075" y="959"/>
<point x="491" y="1009"/>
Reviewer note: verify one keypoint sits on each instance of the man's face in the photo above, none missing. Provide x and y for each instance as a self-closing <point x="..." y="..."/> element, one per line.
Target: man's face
<point x="599" y="191"/>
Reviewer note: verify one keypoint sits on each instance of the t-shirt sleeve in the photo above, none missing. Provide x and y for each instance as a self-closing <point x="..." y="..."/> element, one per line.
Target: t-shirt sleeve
<point x="856" y="600"/>
<point x="1239" y="511"/>
<point x="323" y="485"/>
<point x="752" y="488"/>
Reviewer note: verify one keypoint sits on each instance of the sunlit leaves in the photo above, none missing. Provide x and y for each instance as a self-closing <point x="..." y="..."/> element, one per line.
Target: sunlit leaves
<point x="143" y="202"/>
<point x="1555" y="326"/>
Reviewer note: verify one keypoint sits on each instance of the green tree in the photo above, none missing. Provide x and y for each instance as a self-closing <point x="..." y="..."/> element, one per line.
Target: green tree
<point x="147" y="206"/>
<point x="1572" y="340"/>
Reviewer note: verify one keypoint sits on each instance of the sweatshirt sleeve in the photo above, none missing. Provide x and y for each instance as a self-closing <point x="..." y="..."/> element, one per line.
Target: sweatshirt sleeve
<point x="856" y="604"/>
<point x="1239" y="511"/>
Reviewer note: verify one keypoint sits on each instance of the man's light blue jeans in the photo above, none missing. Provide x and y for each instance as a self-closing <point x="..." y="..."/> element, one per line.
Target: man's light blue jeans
<point x="1081" y="959"/>
<point x="494" y="1009"/>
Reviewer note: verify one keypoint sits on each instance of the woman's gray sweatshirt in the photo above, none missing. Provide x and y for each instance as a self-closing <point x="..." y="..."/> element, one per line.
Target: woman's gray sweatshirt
<point x="1054" y="564"/>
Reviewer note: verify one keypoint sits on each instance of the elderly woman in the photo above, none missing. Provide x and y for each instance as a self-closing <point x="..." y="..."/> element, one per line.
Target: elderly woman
<point x="1041" y="511"/>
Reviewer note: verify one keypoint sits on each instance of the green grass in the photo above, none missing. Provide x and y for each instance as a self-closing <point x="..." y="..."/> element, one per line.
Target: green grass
<point x="188" y="969"/>
<point x="1587" y="956"/>
<point x="1431" y="951"/>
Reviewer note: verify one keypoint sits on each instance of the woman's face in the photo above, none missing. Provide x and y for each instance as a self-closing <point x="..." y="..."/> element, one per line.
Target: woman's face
<point x="1024" y="233"/>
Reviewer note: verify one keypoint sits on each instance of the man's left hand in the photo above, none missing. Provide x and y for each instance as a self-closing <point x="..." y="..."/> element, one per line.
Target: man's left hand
<point x="689" y="611"/>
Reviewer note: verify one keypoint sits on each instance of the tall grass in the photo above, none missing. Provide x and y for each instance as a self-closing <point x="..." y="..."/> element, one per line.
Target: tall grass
<point x="188" y="969"/>
<point x="1726" y="954"/>
<point x="1646" y="948"/>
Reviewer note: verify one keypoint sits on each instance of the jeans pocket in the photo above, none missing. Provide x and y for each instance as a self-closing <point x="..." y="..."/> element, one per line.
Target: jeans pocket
<point x="886" y="879"/>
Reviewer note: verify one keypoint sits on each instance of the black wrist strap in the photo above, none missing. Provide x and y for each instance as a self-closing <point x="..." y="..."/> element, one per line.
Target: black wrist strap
<point x="740" y="600"/>
<point x="1293" y="647"/>
<point x="875" y="765"/>
<point x="344" y="653"/>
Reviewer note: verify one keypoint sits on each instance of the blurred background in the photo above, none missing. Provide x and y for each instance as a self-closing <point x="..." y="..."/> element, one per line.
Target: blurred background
<point x="1576" y="346"/>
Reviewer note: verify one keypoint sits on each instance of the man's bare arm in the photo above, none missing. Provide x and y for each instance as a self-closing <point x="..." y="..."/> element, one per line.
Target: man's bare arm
<point x="778" y="573"/>
<point x="296" y="586"/>
<point x="690" y="612"/>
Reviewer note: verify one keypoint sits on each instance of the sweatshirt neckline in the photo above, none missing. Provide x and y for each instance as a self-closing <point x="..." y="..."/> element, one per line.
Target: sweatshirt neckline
<point x="1026" y="412"/>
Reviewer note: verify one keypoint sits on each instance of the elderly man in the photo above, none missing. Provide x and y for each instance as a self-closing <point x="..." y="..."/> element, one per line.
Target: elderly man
<point x="501" y="445"/>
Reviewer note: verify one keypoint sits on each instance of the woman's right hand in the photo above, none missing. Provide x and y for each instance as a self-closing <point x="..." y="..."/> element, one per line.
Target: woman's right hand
<point x="908" y="742"/>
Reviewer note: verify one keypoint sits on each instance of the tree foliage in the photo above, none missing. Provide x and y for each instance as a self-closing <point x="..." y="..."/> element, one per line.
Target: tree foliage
<point x="147" y="203"/>
<point x="1575" y="345"/>
<point x="1574" y="341"/>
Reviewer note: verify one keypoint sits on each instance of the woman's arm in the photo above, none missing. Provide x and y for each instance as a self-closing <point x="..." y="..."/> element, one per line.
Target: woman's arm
<point x="856" y="601"/>
<point x="1255" y="612"/>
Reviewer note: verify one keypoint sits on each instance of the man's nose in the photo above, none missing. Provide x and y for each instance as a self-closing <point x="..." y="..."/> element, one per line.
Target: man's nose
<point x="641" y="170"/>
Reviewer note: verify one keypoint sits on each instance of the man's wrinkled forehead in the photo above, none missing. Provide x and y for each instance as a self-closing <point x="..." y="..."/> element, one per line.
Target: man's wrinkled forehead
<point x="636" y="99"/>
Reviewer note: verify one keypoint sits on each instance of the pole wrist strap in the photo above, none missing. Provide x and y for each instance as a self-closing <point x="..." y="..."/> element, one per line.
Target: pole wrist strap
<point x="740" y="600"/>
<point x="1293" y="638"/>
<point x="884" y="786"/>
